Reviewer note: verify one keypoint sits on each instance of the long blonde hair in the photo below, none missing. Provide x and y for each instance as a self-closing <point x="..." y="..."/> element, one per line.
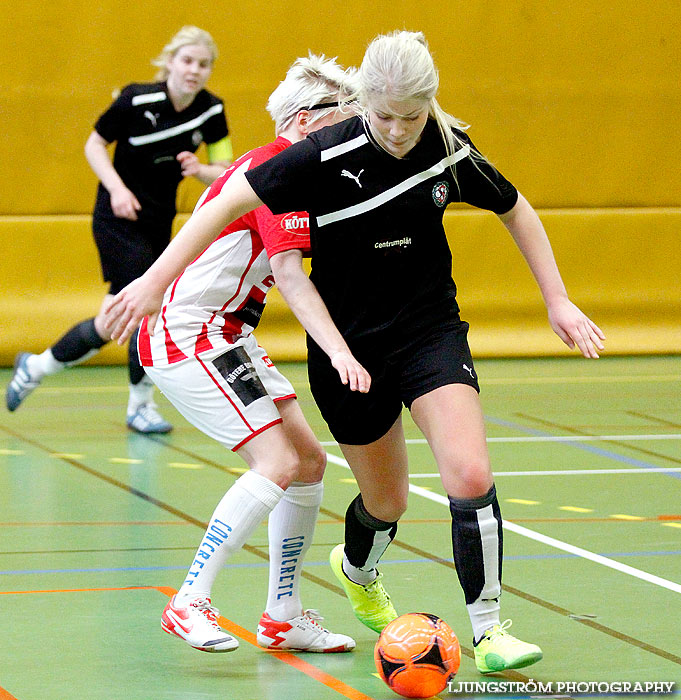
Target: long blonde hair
<point x="399" y="65"/>
<point x="188" y="35"/>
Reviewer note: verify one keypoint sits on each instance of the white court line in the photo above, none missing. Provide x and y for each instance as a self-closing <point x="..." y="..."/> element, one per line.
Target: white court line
<point x="557" y="438"/>
<point x="567" y="438"/>
<point x="567" y="472"/>
<point x="626" y="379"/>
<point x="544" y="539"/>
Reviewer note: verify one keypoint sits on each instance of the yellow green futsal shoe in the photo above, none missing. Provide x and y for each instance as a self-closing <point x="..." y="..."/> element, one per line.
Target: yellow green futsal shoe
<point x="371" y="604"/>
<point x="498" y="651"/>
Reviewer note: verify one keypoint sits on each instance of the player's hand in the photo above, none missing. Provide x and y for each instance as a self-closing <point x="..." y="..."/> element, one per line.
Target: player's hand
<point x="351" y="372"/>
<point x="574" y="327"/>
<point x="124" y="204"/>
<point x="189" y="162"/>
<point x="124" y="312"/>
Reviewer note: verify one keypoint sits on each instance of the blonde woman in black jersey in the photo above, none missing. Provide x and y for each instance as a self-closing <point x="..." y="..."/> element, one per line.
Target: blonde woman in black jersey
<point x="382" y="318"/>
<point x="157" y="127"/>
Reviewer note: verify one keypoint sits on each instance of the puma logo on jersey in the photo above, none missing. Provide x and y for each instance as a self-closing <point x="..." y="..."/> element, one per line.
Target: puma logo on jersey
<point x="347" y="173"/>
<point x="151" y="117"/>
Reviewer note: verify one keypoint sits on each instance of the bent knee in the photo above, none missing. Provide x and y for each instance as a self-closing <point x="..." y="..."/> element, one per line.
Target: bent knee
<point x="470" y="479"/>
<point x="389" y="508"/>
<point x="102" y="332"/>
<point x="281" y="471"/>
<point x="312" y="464"/>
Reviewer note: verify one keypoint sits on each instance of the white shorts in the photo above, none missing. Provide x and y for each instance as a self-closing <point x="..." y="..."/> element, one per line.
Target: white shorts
<point x="229" y="395"/>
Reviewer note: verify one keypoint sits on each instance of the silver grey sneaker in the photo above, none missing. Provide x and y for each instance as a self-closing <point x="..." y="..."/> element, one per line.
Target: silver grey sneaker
<point x="21" y="384"/>
<point x="148" y="420"/>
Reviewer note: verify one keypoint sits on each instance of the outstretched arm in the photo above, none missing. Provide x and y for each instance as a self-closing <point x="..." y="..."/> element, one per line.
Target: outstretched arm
<point x="143" y="296"/>
<point x="571" y="325"/>
<point x="303" y="299"/>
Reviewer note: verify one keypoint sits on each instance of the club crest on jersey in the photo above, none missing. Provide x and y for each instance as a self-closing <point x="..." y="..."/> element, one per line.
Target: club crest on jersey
<point x="197" y="137"/>
<point x="440" y="192"/>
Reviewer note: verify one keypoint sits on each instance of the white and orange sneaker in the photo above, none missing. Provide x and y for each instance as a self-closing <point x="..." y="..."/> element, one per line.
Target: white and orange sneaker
<point x="302" y="633"/>
<point x="197" y="624"/>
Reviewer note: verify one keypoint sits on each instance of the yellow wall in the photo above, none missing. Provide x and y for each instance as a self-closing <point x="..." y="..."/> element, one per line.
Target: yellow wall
<point x="621" y="267"/>
<point x="578" y="103"/>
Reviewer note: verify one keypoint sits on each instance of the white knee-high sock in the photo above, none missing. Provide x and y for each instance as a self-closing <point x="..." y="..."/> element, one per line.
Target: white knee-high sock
<point x="237" y="515"/>
<point x="291" y="529"/>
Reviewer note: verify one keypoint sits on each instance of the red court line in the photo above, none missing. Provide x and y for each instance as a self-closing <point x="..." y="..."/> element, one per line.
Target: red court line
<point x="285" y="657"/>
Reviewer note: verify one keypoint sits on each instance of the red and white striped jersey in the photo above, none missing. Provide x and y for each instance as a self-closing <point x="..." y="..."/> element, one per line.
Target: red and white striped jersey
<point x="220" y="296"/>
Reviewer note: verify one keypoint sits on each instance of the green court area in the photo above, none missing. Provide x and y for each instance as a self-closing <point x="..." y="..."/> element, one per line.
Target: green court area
<point x="98" y="526"/>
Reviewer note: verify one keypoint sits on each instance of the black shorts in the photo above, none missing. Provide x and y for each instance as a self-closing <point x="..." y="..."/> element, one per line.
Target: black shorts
<point x="398" y="377"/>
<point x="127" y="249"/>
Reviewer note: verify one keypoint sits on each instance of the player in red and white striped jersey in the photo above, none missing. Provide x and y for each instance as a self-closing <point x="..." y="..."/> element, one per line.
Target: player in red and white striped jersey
<point x="202" y="355"/>
<point x="220" y="296"/>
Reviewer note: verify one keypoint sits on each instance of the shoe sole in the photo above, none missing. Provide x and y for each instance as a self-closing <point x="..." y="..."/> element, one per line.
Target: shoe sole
<point x="164" y="431"/>
<point x="335" y="650"/>
<point x="520" y="662"/>
<point x="211" y="650"/>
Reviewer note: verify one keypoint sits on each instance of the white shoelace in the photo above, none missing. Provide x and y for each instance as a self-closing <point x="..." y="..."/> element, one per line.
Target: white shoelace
<point x="500" y="631"/>
<point x="210" y="612"/>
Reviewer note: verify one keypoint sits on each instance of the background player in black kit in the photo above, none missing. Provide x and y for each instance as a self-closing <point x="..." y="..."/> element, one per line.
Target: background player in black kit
<point x="381" y="313"/>
<point x="157" y="128"/>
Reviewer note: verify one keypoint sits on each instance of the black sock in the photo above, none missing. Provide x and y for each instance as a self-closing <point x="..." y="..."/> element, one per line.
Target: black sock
<point x="477" y="553"/>
<point x="78" y="342"/>
<point x="135" y="369"/>
<point x="366" y="537"/>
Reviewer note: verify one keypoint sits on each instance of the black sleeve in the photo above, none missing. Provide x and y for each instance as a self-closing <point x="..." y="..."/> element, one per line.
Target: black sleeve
<point x="285" y="182"/>
<point x="216" y="128"/>
<point x="481" y="184"/>
<point x="111" y="125"/>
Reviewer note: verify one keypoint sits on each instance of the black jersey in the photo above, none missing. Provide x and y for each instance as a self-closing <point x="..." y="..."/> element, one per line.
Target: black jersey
<point x="149" y="133"/>
<point x="380" y="257"/>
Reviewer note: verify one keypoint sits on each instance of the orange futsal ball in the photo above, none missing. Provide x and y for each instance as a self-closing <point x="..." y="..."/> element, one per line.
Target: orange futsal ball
<point x="417" y="654"/>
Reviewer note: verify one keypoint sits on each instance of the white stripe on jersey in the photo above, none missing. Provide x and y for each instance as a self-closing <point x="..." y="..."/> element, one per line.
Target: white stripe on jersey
<point x="341" y="148"/>
<point x="146" y="99"/>
<point x="175" y="130"/>
<point x="216" y="284"/>
<point x="378" y="200"/>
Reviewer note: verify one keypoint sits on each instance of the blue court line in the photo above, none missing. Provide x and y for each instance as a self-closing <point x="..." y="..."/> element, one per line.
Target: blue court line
<point x="264" y="565"/>
<point x="582" y="446"/>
